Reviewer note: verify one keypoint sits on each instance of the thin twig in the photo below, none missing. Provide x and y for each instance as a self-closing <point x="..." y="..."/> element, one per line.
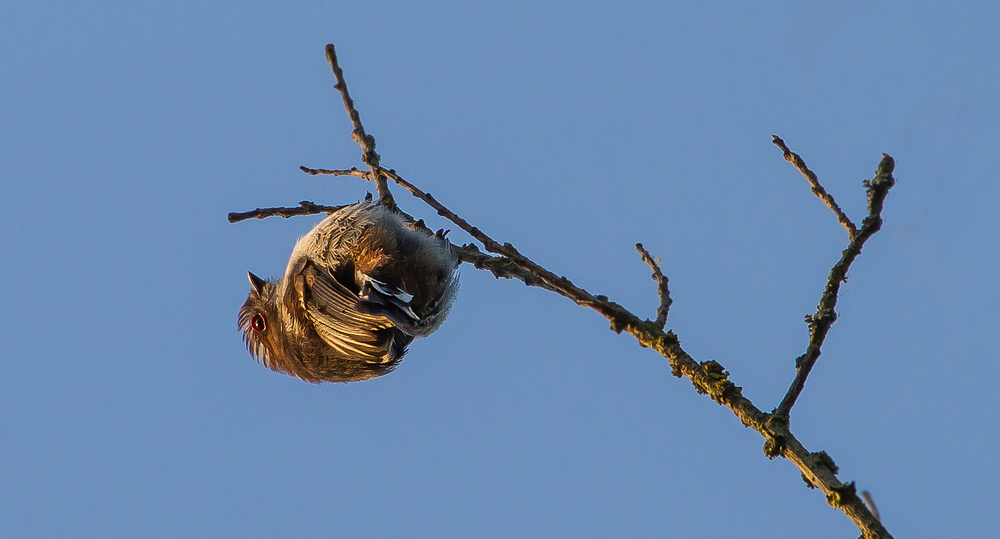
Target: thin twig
<point x="305" y="208"/>
<point x="367" y="142"/>
<point x="499" y="266"/>
<point x="662" y="288"/>
<point x="817" y="189"/>
<point x="556" y="283"/>
<point x="353" y="171"/>
<point x="826" y="315"/>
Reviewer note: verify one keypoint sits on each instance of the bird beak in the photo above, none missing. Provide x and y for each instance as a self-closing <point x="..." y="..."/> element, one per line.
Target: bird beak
<point x="256" y="282"/>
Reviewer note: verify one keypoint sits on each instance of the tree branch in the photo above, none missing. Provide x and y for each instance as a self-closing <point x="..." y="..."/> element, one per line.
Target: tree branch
<point x="366" y="141"/>
<point x="305" y="208"/>
<point x="661" y="286"/>
<point x="826" y="314"/>
<point x="353" y="171"/>
<point x="708" y="377"/>
<point x="817" y="189"/>
<point x="499" y="266"/>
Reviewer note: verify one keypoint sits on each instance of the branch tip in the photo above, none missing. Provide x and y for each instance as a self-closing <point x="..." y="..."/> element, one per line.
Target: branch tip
<point x="304" y="208"/>
<point x="817" y="189"/>
<point x="366" y="141"/>
<point x="662" y="288"/>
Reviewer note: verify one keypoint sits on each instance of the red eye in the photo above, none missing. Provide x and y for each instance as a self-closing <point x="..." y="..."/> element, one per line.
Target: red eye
<point x="257" y="323"/>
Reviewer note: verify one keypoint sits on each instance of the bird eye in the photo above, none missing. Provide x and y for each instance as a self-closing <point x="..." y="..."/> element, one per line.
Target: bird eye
<point x="257" y="323"/>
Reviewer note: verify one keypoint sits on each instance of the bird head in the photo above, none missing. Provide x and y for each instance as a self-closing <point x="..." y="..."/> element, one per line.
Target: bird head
<point x="260" y="321"/>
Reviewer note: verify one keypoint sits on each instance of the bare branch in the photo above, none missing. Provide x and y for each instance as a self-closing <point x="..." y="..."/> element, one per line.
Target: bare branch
<point x="826" y="315"/>
<point x="708" y="377"/>
<point x="661" y="286"/>
<point x="305" y="208"/>
<point x="366" y="141"/>
<point x="561" y="285"/>
<point x="817" y="189"/>
<point x="499" y="266"/>
<point x="817" y="472"/>
<point x="353" y="171"/>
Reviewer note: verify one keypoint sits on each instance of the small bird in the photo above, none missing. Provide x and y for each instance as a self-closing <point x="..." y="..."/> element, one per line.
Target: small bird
<point x="359" y="287"/>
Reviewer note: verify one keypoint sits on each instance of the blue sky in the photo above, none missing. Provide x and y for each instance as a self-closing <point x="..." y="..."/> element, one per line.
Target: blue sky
<point x="129" y="406"/>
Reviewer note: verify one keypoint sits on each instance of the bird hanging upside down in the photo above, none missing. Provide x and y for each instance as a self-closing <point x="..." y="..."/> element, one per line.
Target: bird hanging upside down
<point x="359" y="287"/>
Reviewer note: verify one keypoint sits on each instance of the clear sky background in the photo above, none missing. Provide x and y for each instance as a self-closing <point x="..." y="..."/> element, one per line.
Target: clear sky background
<point x="130" y="408"/>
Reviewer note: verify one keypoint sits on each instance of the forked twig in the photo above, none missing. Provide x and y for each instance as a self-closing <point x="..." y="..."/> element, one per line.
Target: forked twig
<point x="826" y="314"/>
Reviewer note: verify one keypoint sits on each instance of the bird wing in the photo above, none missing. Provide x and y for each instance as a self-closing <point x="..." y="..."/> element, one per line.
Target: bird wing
<point x="332" y="309"/>
<point x="380" y="299"/>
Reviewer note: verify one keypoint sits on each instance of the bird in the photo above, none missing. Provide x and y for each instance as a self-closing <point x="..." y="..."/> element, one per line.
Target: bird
<point x="358" y="289"/>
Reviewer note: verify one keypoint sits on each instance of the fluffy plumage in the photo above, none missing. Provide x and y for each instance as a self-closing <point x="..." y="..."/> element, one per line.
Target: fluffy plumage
<point x="359" y="287"/>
